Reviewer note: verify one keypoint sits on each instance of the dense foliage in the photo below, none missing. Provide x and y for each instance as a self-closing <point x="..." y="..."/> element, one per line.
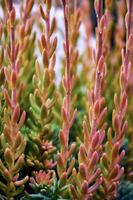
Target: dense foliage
<point x="68" y="139"/>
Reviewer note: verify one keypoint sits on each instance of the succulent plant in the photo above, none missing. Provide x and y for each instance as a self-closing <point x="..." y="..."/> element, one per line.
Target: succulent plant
<point x="71" y="140"/>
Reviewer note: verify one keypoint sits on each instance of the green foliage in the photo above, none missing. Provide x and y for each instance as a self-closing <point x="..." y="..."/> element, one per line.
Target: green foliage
<point x="45" y="192"/>
<point x="125" y="190"/>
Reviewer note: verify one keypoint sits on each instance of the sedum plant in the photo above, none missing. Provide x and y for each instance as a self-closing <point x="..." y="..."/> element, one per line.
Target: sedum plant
<point x="43" y="98"/>
<point x="12" y="156"/>
<point x="88" y="179"/>
<point x="113" y="154"/>
<point x="69" y="140"/>
<point x="68" y="115"/>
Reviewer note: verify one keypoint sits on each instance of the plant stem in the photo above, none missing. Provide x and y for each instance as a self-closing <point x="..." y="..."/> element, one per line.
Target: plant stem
<point x="68" y="95"/>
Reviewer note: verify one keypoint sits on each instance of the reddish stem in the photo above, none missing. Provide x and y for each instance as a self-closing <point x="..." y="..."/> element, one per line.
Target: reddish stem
<point x="128" y="32"/>
<point x="13" y="47"/>
<point x="97" y="88"/>
<point x="48" y="32"/>
<point x="100" y="9"/>
<point x="67" y="61"/>
<point x="9" y="5"/>
<point x="13" y="63"/>
<point x="130" y="22"/>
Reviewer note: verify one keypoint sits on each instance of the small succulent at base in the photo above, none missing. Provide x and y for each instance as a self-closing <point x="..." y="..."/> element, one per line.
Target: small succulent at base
<point x="46" y="186"/>
<point x="41" y="178"/>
